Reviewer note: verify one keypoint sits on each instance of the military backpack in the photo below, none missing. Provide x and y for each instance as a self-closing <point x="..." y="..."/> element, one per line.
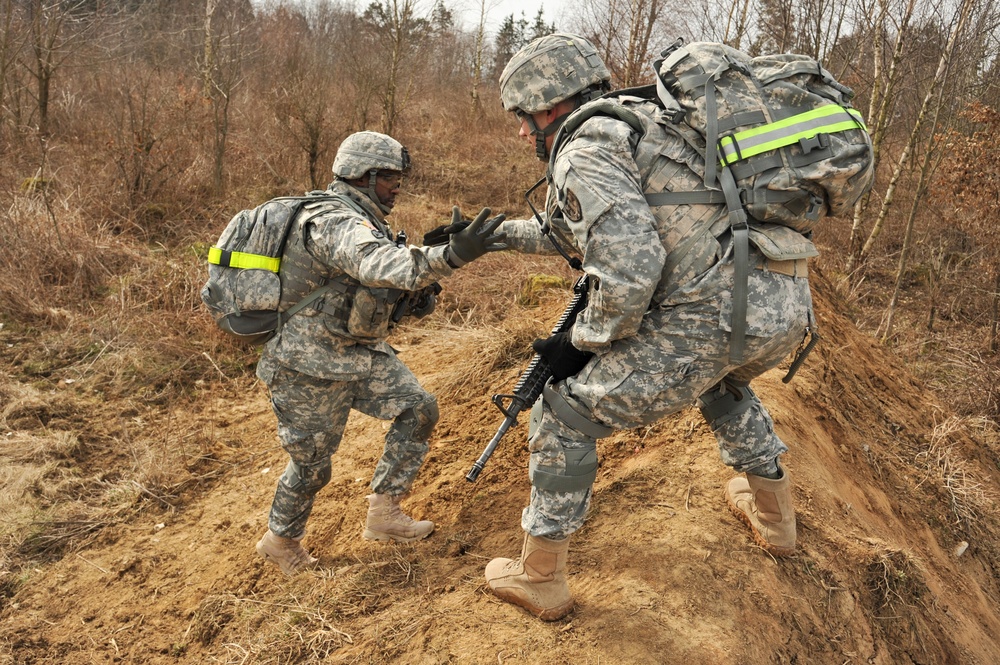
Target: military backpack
<point x="781" y="143"/>
<point x="243" y="291"/>
<point x="780" y="125"/>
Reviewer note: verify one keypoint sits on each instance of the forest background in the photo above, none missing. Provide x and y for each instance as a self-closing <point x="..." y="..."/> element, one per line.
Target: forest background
<point x="132" y="130"/>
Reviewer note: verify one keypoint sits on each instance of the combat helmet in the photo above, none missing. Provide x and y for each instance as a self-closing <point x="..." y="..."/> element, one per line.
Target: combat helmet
<point x="547" y="71"/>
<point x="369" y="152"/>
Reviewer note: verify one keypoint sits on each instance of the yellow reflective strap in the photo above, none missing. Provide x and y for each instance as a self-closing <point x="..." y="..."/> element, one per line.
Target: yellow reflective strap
<point x="758" y="140"/>
<point x="242" y="260"/>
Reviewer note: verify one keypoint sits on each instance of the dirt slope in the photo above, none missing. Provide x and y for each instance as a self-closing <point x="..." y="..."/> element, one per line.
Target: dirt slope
<point x="887" y="488"/>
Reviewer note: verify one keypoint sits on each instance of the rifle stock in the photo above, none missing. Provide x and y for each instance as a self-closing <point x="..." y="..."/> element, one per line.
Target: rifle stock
<point x="529" y="387"/>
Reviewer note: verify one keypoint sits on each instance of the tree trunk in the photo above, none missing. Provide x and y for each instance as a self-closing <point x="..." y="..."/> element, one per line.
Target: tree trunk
<point x="964" y="11"/>
<point x="878" y="112"/>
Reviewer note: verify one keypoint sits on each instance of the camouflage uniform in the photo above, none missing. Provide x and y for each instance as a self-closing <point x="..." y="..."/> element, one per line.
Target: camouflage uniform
<point x="677" y="312"/>
<point x="657" y="322"/>
<point x="332" y="356"/>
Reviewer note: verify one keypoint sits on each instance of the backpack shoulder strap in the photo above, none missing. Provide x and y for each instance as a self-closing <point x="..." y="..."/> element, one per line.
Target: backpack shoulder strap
<point x="600" y="106"/>
<point x="341" y="283"/>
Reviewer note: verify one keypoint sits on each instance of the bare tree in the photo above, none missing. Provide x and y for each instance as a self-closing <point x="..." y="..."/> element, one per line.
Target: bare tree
<point x="479" y="57"/>
<point x="8" y="46"/>
<point x="396" y="36"/>
<point x="969" y="185"/>
<point x="55" y="30"/>
<point x="226" y="45"/>
<point x="305" y="87"/>
<point x="959" y="25"/>
<point x="932" y="156"/>
<point x="623" y="32"/>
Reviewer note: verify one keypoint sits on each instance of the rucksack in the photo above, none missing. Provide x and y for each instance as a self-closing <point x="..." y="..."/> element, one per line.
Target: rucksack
<point x="243" y="291"/>
<point x="781" y="143"/>
<point x="781" y="125"/>
<point x="780" y="137"/>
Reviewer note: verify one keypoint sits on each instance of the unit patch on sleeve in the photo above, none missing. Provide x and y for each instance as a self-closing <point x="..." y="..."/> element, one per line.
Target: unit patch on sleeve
<point x="571" y="207"/>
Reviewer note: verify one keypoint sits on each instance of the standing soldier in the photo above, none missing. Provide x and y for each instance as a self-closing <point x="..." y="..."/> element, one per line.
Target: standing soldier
<point x="654" y="337"/>
<point x="332" y="356"/>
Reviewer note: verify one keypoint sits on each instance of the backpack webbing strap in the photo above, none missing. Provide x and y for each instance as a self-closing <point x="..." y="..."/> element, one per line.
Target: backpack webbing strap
<point x="339" y="284"/>
<point x="705" y="196"/>
<point x="710" y="197"/>
<point x="711" y="129"/>
<point x="741" y="268"/>
<point x="352" y="204"/>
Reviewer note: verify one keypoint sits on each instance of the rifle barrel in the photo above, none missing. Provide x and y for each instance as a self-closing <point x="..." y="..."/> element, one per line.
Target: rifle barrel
<point x="477" y="468"/>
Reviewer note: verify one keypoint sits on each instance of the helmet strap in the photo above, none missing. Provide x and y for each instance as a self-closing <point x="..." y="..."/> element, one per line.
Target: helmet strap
<point x="370" y="191"/>
<point x="542" y="134"/>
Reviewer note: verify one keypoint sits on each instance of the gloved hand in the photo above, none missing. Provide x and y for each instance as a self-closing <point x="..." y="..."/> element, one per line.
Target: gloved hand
<point x="476" y="239"/>
<point x="425" y="301"/>
<point x="441" y="234"/>
<point x="558" y="351"/>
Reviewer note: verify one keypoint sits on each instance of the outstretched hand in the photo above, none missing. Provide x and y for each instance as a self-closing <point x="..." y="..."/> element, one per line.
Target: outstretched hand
<point x="441" y="234"/>
<point x="476" y="239"/>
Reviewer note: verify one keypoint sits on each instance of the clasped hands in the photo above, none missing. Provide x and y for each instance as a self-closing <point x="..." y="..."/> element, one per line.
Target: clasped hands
<point x="468" y="240"/>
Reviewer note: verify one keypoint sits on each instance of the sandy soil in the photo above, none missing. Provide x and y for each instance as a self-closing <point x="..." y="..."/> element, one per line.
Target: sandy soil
<point x="662" y="573"/>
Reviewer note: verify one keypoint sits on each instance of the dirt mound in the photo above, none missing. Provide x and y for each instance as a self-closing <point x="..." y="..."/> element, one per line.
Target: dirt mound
<point x="898" y="524"/>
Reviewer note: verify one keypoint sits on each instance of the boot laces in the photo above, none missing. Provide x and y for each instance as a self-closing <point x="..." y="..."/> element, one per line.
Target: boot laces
<point x="396" y="514"/>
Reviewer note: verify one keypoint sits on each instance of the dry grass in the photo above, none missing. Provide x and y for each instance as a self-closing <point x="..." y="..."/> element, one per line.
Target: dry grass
<point x="52" y="257"/>
<point x="309" y="627"/>
<point x="370" y="585"/>
<point x="286" y="632"/>
<point x="894" y="580"/>
<point x="949" y="470"/>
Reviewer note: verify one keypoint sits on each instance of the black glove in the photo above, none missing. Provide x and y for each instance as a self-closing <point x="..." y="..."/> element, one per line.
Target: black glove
<point x="558" y="351"/>
<point x="424" y="301"/>
<point x="441" y="234"/>
<point x="476" y="239"/>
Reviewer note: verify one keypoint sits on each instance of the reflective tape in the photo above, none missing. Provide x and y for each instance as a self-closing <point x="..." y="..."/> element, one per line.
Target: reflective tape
<point x="221" y="257"/>
<point x="758" y="140"/>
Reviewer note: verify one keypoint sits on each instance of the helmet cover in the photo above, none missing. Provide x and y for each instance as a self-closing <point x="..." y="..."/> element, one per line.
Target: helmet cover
<point x="548" y="70"/>
<point x="363" y="152"/>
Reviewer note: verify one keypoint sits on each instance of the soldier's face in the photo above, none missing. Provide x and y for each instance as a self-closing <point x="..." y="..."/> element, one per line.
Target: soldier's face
<point x="541" y="120"/>
<point x="387" y="185"/>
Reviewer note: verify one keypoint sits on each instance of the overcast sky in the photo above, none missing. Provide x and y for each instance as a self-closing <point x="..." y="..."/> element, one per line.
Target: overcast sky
<point x="467" y="11"/>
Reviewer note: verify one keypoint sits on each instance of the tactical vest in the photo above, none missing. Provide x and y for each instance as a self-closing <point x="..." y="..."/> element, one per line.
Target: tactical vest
<point x="688" y="232"/>
<point x="360" y="311"/>
<point x="690" y="218"/>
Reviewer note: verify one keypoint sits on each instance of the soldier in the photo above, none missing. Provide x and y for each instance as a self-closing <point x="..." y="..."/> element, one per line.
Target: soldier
<point x="332" y="356"/>
<point x="654" y="337"/>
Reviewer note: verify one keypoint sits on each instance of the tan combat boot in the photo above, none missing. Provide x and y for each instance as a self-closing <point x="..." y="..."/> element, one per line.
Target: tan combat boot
<point x="387" y="522"/>
<point x="766" y="506"/>
<point x="288" y="553"/>
<point x="536" y="581"/>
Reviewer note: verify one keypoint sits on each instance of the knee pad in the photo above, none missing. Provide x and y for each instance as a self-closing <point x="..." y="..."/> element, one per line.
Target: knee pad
<point x="564" y="411"/>
<point x="727" y="400"/>
<point x="418" y="422"/>
<point x="306" y="478"/>
<point x="578" y="474"/>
